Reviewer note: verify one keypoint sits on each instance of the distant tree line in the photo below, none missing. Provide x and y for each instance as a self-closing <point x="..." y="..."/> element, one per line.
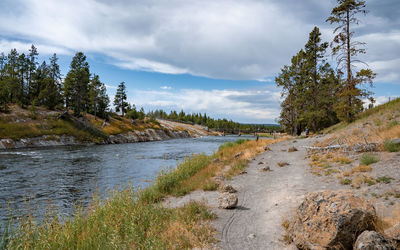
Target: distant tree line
<point x="315" y="95"/>
<point x="222" y="125"/>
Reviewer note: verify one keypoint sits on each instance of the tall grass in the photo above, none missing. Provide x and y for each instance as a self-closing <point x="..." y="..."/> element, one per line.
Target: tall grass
<point x="121" y="222"/>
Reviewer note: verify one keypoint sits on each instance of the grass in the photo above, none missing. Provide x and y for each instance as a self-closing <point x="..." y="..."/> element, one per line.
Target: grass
<point x="134" y="219"/>
<point x="123" y="221"/>
<point x="346" y="181"/>
<point x="210" y="186"/>
<point x="384" y="179"/>
<point x="368" y="159"/>
<point x="391" y="147"/>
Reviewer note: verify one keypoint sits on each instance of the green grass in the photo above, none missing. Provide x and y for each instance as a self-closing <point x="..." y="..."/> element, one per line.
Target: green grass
<point x="210" y="186"/>
<point x="346" y="181"/>
<point x="392" y="124"/>
<point x="368" y="159"/>
<point x="384" y="179"/>
<point x="391" y="147"/>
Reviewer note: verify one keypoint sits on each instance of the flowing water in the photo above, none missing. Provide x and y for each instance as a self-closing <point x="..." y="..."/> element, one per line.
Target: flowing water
<point x="32" y="180"/>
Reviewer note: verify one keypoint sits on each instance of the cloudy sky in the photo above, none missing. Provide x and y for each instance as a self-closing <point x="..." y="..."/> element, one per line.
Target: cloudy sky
<point x="218" y="57"/>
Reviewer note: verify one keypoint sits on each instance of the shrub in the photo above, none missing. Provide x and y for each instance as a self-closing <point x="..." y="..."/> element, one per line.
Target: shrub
<point x="368" y="159"/>
<point x="391" y="146"/>
<point x="384" y="179"/>
<point x="346" y="181"/>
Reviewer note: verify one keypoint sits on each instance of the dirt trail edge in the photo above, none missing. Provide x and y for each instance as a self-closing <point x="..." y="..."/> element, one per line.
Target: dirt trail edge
<point x="265" y="198"/>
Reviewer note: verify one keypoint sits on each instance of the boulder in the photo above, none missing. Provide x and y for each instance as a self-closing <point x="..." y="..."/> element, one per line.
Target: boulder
<point x="371" y="240"/>
<point x="395" y="141"/>
<point x="227" y="189"/>
<point x="227" y="200"/>
<point x="331" y="220"/>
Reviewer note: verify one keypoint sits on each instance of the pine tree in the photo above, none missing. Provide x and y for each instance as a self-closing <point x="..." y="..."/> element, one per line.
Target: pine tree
<point x="98" y="99"/>
<point x="120" y="99"/>
<point x="346" y="49"/>
<point x="31" y="65"/>
<point x="76" y="86"/>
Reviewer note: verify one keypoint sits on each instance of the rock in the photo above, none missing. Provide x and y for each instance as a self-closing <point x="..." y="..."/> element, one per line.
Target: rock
<point x="251" y="236"/>
<point x="238" y="155"/>
<point x="371" y="240"/>
<point x="331" y="219"/>
<point x="394" y="232"/>
<point x="260" y="163"/>
<point x="265" y="169"/>
<point x="227" y="189"/>
<point x="266" y="148"/>
<point x="227" y="200"/>
<point x="243" y="172"/>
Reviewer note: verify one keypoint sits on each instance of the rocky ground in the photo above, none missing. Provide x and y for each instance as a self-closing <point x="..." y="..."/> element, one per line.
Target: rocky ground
<point x="268" y="199"/>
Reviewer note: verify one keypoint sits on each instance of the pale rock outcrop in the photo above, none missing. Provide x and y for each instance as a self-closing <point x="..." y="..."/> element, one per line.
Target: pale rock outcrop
<point x="371" y="240"/>
<point x="331" y="220"/>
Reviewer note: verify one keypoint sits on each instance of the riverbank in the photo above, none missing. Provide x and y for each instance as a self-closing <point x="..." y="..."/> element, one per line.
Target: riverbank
<point x="136" y="218"/>
<point x="20" y="129"/>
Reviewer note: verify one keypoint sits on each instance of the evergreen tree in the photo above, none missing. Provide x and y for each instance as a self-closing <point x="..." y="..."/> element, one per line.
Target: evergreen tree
<point x="31" y="64"/>
<point x="76" y="86"/>
<point x="120" y="99"/>
<point x="98" y="98"/>
<point x="308" y="86"/>
<point x="346" y="49"/>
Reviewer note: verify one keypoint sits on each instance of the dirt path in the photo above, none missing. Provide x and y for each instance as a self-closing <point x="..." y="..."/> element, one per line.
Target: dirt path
<point x="265" y="198"/>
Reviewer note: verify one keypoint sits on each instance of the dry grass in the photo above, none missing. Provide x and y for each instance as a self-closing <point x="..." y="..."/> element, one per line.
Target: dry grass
<point x="283" y="164"/>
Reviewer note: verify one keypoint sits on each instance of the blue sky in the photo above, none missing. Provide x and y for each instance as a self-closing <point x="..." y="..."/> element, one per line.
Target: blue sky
<point x="218" y="57"/>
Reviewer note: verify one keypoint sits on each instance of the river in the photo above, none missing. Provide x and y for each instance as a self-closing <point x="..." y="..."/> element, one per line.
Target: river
<point x="32" y="180"/>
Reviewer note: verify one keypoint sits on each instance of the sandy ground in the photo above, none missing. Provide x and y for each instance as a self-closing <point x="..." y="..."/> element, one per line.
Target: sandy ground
<point x="265" y="198"/>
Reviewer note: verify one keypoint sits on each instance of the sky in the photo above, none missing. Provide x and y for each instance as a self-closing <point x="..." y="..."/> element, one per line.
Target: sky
<point x="218" y="57"/>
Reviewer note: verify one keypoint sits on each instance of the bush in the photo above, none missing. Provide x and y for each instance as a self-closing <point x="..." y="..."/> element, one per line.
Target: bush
<point x="391" y="147"/>
<point x="368" y="159"/>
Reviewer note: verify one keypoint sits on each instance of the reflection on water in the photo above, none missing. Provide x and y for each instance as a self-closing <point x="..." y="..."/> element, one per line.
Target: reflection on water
<point x="65" y="176"/>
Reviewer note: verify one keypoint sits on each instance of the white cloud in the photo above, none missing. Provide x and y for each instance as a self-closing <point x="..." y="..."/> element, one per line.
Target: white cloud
<point x="6" y="46"/>
<point x="166" y="87"/>
<point x="228" y="39"/>
<point x="258" y="105"/>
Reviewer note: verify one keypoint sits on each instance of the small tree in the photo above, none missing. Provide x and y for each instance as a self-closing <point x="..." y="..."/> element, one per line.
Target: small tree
<point x="120" y="99"/>
<point x="346" y="49"/>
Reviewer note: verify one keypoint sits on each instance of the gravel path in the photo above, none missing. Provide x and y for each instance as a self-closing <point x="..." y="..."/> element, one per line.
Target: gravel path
<point x="265" y="198"/>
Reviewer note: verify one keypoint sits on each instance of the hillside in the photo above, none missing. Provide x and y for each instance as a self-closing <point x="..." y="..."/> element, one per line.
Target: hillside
<point x="42" y="127"/>
<point x="374" y="126"/>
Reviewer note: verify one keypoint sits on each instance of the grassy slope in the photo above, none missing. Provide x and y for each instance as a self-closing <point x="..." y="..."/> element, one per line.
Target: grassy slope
<point x="375" y="125"/>
<point x="134" y="218"/>
<point x="21" y="123"/>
